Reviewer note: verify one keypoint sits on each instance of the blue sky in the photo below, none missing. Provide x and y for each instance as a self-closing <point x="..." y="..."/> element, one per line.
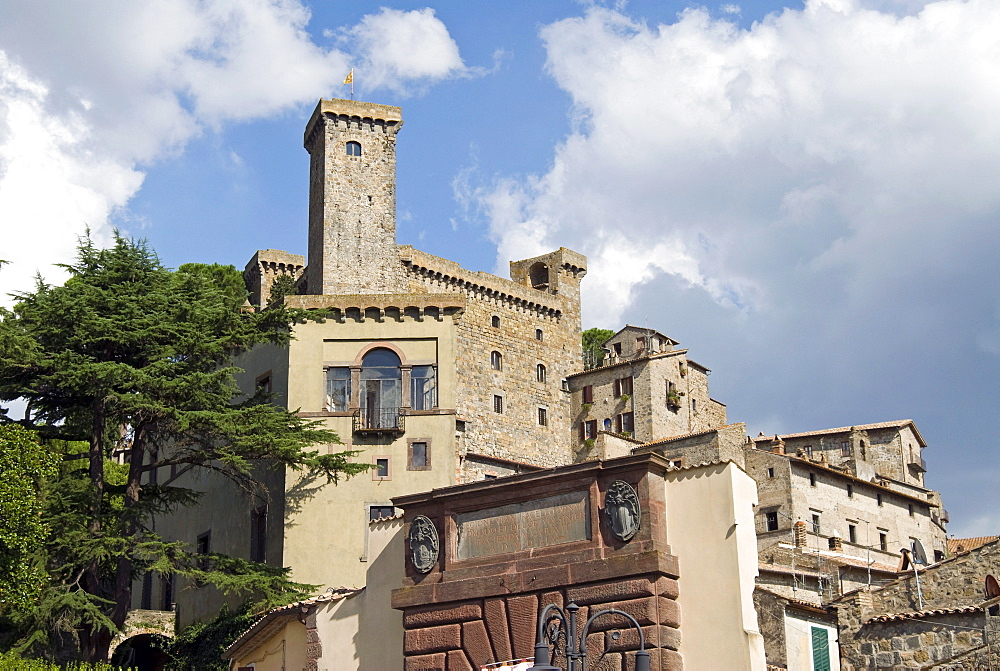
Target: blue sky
<point x="802" y="193"/>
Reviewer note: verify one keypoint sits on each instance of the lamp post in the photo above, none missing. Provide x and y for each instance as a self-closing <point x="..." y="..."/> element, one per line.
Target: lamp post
<point x="576" y="646"/>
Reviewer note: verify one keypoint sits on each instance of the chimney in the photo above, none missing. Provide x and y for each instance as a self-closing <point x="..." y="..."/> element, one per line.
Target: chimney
<point x="836" y="544"/>
<point x="777" y="445"/>
<point x="799" y="534"/>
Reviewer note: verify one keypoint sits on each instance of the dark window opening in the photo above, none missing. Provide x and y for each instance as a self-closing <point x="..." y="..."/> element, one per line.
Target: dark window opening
<point x="539" y="275"/>
<point x="815" y="524"/>
<point x="850" y="491"/>
<point x="852" y="533"/>
<point x="419" y="457"/>
<point x="167" y="593"/>
<point x="380" y="512"/>
<point x="770" y="472"/>
<point x="624" y="423"/>
<point x="845" y="449"/>
<point x="623" y="385"/>
<point x="495" y="321"/>
<point x="381" y="471"/>
<point x="878" y="497"/>
<point x="588" y="429"/>
<point x="812" y="479"/>
<point x="540" y="372"/>
<point x="538" y="334"/>
<point x="771" y="518"/>
<point x="498" y="404"/>
<point x="496" y="360"/>
<point x="588" y="394"/>
<point x="883" y="542"/>
<point x="353" y="148"/>
<point x="543" y="417"/>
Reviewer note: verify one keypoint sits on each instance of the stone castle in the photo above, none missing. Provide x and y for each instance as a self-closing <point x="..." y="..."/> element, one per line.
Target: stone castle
<point x="440" y="376"/>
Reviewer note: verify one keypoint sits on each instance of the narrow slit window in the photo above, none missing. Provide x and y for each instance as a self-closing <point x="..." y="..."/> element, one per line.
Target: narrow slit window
<point x="540" y="372"/>
<point x="496" y="360"/>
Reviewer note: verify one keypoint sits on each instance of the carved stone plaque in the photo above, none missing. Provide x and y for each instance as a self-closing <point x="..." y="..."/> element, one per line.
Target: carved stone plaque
<point x="424" y="544"/>
<point x="519" y="526"/>
<point x="621" y="508"/>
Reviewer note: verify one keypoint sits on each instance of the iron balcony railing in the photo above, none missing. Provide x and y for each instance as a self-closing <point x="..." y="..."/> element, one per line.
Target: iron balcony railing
<point x="382" y="420"/>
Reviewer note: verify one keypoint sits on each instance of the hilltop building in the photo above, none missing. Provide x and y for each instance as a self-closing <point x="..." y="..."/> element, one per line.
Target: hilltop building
<point x="437" y="375"/>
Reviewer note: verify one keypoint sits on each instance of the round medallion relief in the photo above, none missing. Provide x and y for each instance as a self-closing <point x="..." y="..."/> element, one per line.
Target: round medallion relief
<point x="621" y="508"/>
<point x="424" y="544"/>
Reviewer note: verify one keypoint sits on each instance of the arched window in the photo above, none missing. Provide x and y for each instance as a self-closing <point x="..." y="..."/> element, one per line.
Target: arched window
<point x="381" y="389"/>
<point x="496" y="361"/>
<point x="495" y="321"/>
<point x="353" y="148"/>
<point x="538" y="334"/>
<point x="540" y="372"/>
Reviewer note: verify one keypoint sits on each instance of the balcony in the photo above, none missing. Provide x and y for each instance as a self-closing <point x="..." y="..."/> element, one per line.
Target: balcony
<point x="380" y="421"/>
<point x="918" y="464"/>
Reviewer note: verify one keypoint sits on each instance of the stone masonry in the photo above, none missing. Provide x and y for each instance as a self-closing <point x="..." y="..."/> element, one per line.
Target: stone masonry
<point x="471" y="611"/>
<point x="886" y="628"/>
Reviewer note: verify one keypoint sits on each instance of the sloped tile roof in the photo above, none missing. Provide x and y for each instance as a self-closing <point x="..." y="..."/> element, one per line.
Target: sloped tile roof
<point x="920" y="614"/>
<point x="956" y="545"/>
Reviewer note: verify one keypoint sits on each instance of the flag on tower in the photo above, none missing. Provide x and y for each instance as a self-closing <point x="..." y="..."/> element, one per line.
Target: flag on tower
<point x="349" y="79"/>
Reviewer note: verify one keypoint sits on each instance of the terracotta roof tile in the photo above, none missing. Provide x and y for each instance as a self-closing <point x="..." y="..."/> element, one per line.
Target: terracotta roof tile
<point x="956" y="545"/>
<point x="920" y="614"/>
<point x="896" y="424"/>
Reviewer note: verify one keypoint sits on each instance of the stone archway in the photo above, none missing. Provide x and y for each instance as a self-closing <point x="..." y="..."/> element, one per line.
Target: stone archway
<point x="145" y="631"/>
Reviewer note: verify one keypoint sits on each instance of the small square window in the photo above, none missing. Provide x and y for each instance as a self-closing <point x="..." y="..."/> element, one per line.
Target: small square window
<point x="845" y="449"/>
<point x="380" y="512"/>
<point x="382" y="470"/>
<point x="419" y="458"/>
<point x="495" y="321"/>
<point x="543" y="417"/>
<point x="498" y="404"/>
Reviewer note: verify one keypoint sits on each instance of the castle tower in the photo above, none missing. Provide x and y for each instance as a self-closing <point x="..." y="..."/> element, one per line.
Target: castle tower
<point x="352" y="199"/>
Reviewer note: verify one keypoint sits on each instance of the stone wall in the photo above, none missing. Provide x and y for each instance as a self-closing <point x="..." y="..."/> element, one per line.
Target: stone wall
<point x="528" y="327"/>
<point x="887" y="628"/>
<point x="352" y="199"/>
<point x="655" y="417"/>
<point x="474" y="607"/>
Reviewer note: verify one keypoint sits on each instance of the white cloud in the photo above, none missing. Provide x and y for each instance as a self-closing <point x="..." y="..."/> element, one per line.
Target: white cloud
<point x="395" y="48"/>
<point x="806" y="145"/>
<point x="91" y="93"/>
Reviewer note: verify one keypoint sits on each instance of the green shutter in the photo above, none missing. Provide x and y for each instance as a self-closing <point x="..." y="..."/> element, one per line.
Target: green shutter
<point x="821" y="649"/>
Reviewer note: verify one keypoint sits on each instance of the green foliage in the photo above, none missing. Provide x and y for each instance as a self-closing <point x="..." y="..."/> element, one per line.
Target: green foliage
<point x="12" y="662"/>
<point x="593" y="339"/>
<point x="199" y="647"/>
<point x="283" y="286"/>
<point x="24" y="467"/>
<point x="130" y="358"/>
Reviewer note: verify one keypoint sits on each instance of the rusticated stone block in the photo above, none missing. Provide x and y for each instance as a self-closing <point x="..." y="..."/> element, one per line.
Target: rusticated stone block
<point x="523" y="613"/>
<point x="457" y="661"/>
<point x="432" y="639"/>
<point x="611" y="661"/>
<point x="425" y="662"/>
<point x="667" y="587"/>
<point x="670" y="613"/>
<point x="656" y="636"/>
<point x="476" y="644"/>
<point x="496" y="625"/>
<point x="645" y="611"/>
<point x="614" y="590"/>
<point x="431" y="615"/>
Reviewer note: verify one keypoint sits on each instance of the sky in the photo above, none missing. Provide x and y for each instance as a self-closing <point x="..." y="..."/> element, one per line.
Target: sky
<point x="803" y="193"/>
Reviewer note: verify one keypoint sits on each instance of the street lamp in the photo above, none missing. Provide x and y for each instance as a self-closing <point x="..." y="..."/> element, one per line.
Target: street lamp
<point x="576" y="647"/>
